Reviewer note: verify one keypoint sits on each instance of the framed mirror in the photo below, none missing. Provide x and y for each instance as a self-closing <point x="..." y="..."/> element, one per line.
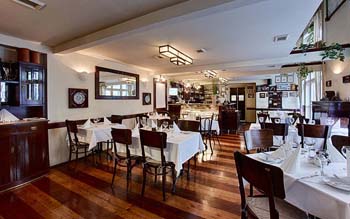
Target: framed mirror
<point x="114" y="84"/>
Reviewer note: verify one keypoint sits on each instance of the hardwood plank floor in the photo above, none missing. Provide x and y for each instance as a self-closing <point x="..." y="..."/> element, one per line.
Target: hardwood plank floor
<point x="84" y="191"/>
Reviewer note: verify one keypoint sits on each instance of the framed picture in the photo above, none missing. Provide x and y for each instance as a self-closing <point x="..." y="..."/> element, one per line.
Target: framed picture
<point x="146" y="99"/>
<point x="262" y="95"/>
<point x="78" y="98"/>
<point x="278" y="79"/>
<point x="329" y="83"/>
<point x="250" y="95"/>
<point x="346" y="79"/>
<point x="290" y="79"/>
<point x="332" y="6"/>
<point x="284" y="78"/>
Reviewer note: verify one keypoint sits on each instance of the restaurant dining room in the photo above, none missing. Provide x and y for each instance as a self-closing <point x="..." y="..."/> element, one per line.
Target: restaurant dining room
<point x="175" y="109"/>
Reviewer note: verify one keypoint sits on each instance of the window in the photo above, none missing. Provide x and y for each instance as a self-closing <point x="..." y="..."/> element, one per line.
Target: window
<point x="311" y="91"/>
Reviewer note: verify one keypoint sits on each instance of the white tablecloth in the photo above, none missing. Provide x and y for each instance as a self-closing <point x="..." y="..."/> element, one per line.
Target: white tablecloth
<point x="312" y="195"/>
<point x="180" y="147"/>
<point x="98" y="133"/>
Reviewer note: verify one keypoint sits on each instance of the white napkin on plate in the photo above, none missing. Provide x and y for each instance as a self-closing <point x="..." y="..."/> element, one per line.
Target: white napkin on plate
<point x="291" y="163"/>
<point x="6" y="116"/>
<point x="334" y="154"/>
<point x="106" y="121"/>
<point x="176" y="128"/>
<point x="87" y="124"/>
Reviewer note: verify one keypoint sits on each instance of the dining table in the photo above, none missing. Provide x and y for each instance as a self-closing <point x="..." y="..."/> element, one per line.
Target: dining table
<point x="307" y="189"/>
<point x="181" y="145"/>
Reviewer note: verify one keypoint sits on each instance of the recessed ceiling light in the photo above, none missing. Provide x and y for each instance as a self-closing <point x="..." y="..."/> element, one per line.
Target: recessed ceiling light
<point x="32" y="4"/>
<point x="279" y="38"/>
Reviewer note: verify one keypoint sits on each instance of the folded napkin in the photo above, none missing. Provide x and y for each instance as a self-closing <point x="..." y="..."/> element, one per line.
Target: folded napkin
<point x="106" y="121"/>
<point x="279" y="153"/>
<point x="337" y="124"/>
<point x="135" y="131"/>
<point x="87" y="124"/>
<point x="334" y="154"/>
<point x="153" y="125"/>
<point x="6" y="116"/>
<point x="176" y="128"/>
<point x="291" y="163"/>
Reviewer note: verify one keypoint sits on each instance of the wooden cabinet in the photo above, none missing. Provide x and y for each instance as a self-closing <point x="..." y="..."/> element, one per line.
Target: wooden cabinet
<point x="24" y="152"/>
<point x="32" y="83"/>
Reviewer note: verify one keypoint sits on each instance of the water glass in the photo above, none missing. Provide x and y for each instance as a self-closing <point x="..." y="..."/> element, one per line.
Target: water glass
<point x="165" y="124"/>
<point x="323" y="161"/>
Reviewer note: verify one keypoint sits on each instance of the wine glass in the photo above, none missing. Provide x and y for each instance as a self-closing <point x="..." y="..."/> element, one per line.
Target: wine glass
<point x="330" y="121"/>
<point x="261" y="119"/>
<point x="310" y="142"/>
<point x="291" y="120"/>
<point x="323" y="160"/>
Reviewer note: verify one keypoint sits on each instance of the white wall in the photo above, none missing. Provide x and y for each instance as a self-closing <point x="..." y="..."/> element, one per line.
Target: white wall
<point x="338" y="30"/>
<point x="63" y="71"/>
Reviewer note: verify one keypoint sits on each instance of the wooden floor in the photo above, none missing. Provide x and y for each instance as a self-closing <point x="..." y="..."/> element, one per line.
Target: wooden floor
<point x="85" y="192"/>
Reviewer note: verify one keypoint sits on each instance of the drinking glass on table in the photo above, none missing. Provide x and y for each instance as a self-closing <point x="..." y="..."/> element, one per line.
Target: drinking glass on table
<point x="310" y="143"/>
<point x="323" y="160"/>
<point x="143" y="122"/>
<point x="171" y="127"/>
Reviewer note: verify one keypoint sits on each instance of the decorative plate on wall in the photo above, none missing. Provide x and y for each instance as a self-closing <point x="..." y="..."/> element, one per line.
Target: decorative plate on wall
<point x="146" y="99"/>
<point x="78" y="98"/>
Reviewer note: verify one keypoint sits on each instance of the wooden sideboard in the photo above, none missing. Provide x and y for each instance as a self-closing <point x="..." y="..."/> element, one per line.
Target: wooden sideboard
<point x="24" y="153"/>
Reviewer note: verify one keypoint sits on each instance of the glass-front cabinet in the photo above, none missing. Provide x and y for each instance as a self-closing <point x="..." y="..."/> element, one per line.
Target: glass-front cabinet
<point x="31" y="84"/>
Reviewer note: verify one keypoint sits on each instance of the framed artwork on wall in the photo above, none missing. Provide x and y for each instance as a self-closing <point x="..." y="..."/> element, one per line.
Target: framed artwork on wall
<point x="262" y="95"/>
<point x="278" y="79"/>
<point x="78" y="98"/>
<point x="329" y="83"/>
<point x="146" y="99"/>
<point x="284" y="78"/>
<point x="290" y="79"/>
<point x="346" y="79"/>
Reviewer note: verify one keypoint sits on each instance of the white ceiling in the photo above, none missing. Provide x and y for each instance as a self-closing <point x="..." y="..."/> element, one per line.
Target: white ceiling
<point x="63" y="20"/>
<point x="237" y="34"/>
<point x="241" y="34"/>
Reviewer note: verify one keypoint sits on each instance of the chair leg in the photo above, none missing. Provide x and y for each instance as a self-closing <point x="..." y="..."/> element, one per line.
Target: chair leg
<point x="211" y="148"/>
<point x="155" y="175"/>
<point x="251" y="190"/>
<point x="195" y="160"/>
<point x="217" y="138"/>
<point x="76" y="156"/>
<point x="128" y="174"/>
<point x="70" y="153"/>
<point x="114" y="172"/>
<point x="163" y="181"/>
<point x="188" y="169"/>
<point x="143" y="181"/>
<point x="100" y="150"/>
<point x="174" y="178"/>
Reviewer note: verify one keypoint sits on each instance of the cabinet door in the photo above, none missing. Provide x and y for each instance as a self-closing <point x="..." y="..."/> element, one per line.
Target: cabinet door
<point x="32" y="150"/>
<point x="32" y="85"/>
<point x="7" y="155"/>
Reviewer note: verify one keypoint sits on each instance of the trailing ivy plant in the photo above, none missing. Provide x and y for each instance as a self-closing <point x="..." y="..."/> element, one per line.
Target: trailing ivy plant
<point x="335" y="51"/>
<point x="303" y="71"/>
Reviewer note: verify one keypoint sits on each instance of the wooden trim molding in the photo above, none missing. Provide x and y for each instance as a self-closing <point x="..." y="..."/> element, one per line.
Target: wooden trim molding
<point x="299" y="51"/>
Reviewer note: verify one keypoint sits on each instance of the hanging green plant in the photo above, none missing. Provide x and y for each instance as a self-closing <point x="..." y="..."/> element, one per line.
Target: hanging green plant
<point x="334" y="52"/>
<point x="303" y="71"/>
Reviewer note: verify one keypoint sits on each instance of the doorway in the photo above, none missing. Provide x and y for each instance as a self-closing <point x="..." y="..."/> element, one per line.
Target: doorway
<point x="237" y="96"/>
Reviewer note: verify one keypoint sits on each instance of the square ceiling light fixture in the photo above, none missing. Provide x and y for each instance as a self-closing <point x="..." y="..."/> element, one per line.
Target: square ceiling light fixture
<point x="32" y="4"/>
<point x="210" y="73"/>
<point x="176" y="57"/>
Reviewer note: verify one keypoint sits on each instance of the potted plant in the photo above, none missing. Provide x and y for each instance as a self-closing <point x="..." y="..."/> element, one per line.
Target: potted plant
<point x="334" y="52"/>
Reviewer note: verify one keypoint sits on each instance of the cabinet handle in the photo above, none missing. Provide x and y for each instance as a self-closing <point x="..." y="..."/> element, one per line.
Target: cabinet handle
<point x="33" y="128"/>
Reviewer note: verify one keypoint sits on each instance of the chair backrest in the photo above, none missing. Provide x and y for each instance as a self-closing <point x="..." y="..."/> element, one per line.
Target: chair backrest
<point x="265" y="177"/>
<point x="297" y="116"/>
<point x="206" y="123"/>
<point x="313" y="131"/>
<point x="153" y="139"/>
<point x="229" y="120"/>
<point x="123" y="137"/>
<point x="72" y="131"/>
<point x="258" y="139"/>
<point x="339" y="141"/>
<point x="188" y="125"/>
<point x="280" y="129"/>
<point x="116" y="119"/>
<point x="161" y="121"/>
<point x="264" y="117"/>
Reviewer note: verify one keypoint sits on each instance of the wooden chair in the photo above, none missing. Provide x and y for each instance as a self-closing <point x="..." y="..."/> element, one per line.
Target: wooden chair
<point x="268" y="179"/>
<point x="214" y="133"/>
<point x="228" y="121"/>
<point x="297" y="116"/>
<point x="260" y="140"/>
<point x="205" y="130"/>
<point x="155" y="140"/>
<point x="192" y="126"/>
<point x="280" y="129"/>
<point x="75" y="146"/>
<point x="124" y="159"/>
<point x="174" y="110"/>
<point x="339" y="141"/>
<point x="262" y="117"/>
<point x="116" y="119"/>
<point x="313" y="131"/>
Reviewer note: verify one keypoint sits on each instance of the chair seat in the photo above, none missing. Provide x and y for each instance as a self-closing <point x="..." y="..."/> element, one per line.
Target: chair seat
<point x="124" y="156"/>
<point x="156" y="163"/>
<point x="260" y="206"/>
<point x="82" y="144"/>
